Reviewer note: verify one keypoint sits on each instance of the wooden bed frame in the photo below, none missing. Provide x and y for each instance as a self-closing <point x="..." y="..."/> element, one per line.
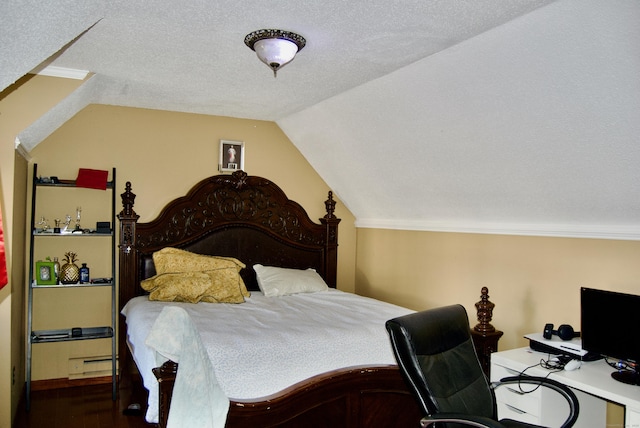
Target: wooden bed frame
<point x="250" y="218"/>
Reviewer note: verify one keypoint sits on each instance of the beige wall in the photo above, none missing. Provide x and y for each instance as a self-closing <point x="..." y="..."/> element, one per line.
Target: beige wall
<point x="20" y="105"/>
<point x="163" y="154"/>
<point x="531" y="280"/>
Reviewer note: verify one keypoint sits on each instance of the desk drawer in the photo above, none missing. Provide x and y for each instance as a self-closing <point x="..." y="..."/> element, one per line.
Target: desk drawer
<point x="506" y="411"/>
<point x="498" y="372"/>
<point x="523" y="398"/>
<point x="526" y="403"/>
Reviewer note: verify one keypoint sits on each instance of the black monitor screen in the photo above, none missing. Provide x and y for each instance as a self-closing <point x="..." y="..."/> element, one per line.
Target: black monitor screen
<point x="609" y="324"/>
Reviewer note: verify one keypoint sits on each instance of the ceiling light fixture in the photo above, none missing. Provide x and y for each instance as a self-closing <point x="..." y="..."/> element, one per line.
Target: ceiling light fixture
<point x="276" y="48"/>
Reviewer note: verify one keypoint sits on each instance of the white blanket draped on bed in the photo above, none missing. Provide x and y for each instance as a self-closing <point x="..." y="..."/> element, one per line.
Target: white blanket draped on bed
<point x="266" y="344"/>
<point x="174" y="337"/>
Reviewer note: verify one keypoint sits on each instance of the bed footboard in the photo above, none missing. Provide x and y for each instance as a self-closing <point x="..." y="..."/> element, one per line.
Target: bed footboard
<point x="356" y="397"/>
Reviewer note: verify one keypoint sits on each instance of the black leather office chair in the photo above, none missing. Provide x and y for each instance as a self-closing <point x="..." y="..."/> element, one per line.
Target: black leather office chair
<point x="437" y="358"/>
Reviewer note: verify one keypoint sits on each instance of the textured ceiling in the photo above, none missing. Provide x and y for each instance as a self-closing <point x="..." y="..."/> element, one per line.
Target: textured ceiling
<point x="502" y="116"/>
<point x="191" y="56"/>
<point x="530" y="128"/>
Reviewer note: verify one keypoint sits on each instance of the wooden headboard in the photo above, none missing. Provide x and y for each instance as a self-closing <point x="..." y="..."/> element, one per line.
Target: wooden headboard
<point x="246" y="217"/>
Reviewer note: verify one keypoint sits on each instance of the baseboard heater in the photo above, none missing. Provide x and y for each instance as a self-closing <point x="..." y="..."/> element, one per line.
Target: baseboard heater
<point x="86" y="367"/>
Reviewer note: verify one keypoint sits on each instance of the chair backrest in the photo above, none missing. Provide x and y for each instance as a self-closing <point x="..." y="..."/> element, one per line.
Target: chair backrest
<point x="436" y="356"/>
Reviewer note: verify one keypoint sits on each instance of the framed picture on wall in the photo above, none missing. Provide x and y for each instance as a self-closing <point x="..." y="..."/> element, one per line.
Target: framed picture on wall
<point x="231" y="156"/>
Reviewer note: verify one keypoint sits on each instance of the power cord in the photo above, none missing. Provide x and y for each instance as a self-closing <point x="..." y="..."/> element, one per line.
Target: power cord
<point x="622" y="365"/>
<point x="556" y="363"/>
<point x="550" y="364"/>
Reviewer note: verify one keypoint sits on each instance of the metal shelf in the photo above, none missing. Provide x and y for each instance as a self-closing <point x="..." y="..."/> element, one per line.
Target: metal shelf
<point x="66" y="335"/>
<point x="75" y="235"/>
<point x="65" y="183"/>
<point x="78" y="285"/>
<point x="76" y="333"/>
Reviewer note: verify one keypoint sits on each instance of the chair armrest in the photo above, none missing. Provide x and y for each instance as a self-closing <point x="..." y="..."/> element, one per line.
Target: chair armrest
<point x="565" y="391"/>
<point x="458" y="418"/>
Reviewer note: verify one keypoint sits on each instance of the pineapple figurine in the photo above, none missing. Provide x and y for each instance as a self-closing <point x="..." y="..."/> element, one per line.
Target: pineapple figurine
<point x="69" y="271"/>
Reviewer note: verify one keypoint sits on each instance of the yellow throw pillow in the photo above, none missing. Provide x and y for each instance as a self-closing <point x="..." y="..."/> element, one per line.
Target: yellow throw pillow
<point x="182" y="287"/>
<point x="174" y="260"/>
<point x="218" y="286"/>
<point x="223" y="287"/>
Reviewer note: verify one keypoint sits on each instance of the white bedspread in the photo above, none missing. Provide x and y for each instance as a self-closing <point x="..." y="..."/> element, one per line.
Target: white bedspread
<point x="266" y="344"/>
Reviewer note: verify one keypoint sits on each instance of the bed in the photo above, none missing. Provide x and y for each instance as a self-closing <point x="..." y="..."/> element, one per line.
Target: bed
<point x="251" y="219"/>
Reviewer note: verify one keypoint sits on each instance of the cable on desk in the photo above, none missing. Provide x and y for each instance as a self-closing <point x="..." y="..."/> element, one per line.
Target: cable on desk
<point x="552" y="366"/>
<point x="621" y="365"/>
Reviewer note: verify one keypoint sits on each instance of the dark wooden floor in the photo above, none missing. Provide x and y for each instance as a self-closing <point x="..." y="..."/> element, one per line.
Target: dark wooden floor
<point x="81" y="407"/>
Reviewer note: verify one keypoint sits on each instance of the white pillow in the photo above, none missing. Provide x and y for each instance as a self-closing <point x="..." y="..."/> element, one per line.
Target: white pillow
<point x="275" y="281"/>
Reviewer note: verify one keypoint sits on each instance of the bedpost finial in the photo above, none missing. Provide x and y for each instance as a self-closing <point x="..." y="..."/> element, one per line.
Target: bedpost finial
<point x="330" y="205"/>
<point x="128" y="198"/>
<point x="485" y="312"/>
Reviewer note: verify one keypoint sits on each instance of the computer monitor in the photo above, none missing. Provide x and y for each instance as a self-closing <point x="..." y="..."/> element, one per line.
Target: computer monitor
<point x="610" y="324"/>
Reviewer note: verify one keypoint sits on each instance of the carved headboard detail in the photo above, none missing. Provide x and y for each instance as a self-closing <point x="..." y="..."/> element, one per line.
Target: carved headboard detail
<point x="238" y="215"/>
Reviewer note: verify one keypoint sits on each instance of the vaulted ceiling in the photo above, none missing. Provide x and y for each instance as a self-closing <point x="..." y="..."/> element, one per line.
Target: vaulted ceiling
<point x="499" y="116"/>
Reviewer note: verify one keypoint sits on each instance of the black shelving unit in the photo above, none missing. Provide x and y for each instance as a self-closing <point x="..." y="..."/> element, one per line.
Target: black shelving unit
<point x="73" y="333"/>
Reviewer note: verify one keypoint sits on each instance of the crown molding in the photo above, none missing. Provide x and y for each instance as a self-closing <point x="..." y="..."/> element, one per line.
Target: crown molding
<point x="67" y="73"/>
<point x="627" y="233"/>
<point x="21" y="150"/>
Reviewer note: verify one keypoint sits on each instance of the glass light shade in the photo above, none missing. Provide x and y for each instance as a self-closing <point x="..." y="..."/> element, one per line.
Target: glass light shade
<point x="275" y="52"/>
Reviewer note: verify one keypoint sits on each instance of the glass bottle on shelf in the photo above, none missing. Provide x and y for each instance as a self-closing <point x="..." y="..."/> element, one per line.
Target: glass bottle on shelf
<point x="84" y="274"/>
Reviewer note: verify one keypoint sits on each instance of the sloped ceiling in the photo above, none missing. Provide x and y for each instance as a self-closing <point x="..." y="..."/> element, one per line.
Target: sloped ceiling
<point x="531" y="128"/>
<point x="500" y="116"/>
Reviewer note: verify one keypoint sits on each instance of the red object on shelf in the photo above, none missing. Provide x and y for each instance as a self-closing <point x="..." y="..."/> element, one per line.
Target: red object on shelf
<point x="92" y="178"/>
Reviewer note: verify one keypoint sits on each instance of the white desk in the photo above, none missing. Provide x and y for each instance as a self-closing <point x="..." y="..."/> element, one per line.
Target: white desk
<point x="592" y="383"/>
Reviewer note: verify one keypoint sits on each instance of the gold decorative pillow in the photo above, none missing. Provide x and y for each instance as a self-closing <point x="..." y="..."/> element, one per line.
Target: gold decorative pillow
<point x="174" y="260"/>
<point x="177" y="287"/>
<point x="224" y="287"/>
<point x="215" y="286"/>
